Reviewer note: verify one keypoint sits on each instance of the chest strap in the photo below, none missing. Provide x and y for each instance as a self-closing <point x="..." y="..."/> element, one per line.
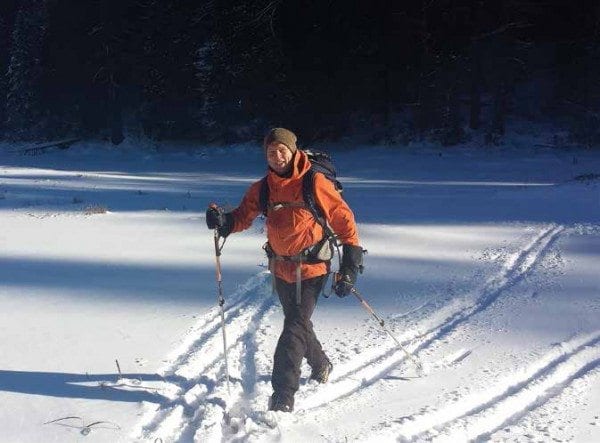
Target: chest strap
<point x="275" y="206"/>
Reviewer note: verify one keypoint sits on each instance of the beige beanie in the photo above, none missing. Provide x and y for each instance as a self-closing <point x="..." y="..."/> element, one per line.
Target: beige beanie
<point x="281" y="135"/>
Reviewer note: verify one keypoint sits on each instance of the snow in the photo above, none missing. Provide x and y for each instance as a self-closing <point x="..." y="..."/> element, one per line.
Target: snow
<point x="483" y="262"/>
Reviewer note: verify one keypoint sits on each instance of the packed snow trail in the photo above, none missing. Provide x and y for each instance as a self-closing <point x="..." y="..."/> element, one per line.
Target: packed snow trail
<point x="202" y="410"/>
<point x="478" y="415"/>
<point x="202" y="399"/>
<point x="359" y="373"/>
<point x="516" y="267"/>
<point x="473" y="314"/>
<point x="351" y="379"/>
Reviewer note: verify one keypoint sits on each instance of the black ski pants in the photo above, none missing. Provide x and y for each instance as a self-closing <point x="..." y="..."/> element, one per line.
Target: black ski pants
<point x="298" y="339"/>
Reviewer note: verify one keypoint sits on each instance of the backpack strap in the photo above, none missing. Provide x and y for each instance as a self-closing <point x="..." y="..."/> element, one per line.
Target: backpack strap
<point x="263" y="196"/>
<point x="308" y="194"/>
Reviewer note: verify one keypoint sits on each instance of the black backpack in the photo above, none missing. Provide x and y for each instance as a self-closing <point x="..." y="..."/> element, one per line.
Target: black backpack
<point x="320" y="162"/>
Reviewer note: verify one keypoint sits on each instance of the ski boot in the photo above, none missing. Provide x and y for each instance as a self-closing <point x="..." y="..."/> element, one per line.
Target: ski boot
<point x="321" y="374"/>
<point x="282" y="403"/>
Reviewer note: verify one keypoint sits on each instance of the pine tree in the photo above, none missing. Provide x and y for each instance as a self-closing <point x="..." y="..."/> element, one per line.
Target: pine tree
<point x="107" y="39"/>
<point x="238" y="68"/>
<point x="4" y="37"/>
<point x="24" y="110"/>
<point x="166" y="43"/>
<point x="207" y="63"/>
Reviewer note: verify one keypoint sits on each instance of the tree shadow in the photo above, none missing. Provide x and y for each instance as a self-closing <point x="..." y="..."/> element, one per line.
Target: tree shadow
<point x="117" y="280"/>
<point x="398" y="197"/>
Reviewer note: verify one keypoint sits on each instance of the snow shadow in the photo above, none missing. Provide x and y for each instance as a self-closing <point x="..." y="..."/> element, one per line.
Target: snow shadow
<point x="119" y="281"/>
<point x="391" y="203"/>
<point x="381" y="194"/>
<point x="117" y="191"/>
<point x="390" y="281"/>
<point x="476" y="203"/>
<point x="86" y="386"/>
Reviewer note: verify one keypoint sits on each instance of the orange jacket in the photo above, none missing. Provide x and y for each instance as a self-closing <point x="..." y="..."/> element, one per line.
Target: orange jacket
<point x="292" y="229"/>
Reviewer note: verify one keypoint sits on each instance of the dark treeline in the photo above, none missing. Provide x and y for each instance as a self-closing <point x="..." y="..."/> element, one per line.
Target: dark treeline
<point x="224" y="70"/>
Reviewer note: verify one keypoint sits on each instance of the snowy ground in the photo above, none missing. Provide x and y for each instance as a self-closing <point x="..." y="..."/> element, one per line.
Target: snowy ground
<point x="484" y="263"/>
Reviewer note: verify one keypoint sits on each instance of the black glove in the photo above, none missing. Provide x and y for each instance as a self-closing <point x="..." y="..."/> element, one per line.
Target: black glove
<point x="352" y="260"/>
<point x="217" y="218"/>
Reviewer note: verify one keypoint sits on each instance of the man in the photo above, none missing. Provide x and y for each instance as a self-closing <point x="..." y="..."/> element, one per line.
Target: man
<point x="295" y="237"/>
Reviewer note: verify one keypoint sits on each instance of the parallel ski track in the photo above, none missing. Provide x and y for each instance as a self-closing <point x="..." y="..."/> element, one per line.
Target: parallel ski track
<point x="477" y="416"/>
<point x="210" y="422"/>
<point x="216" y="423"/>
<point x="200" y="363"/>
<point x="178" y="418"/>
<point x="521" y="266"/>
<point x="366" y="373"/>
<point x="210" y="324"/>
<point x="354" y="377"/>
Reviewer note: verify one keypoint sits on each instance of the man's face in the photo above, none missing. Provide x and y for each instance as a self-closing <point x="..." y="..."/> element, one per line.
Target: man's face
<point x="279" y="157"/>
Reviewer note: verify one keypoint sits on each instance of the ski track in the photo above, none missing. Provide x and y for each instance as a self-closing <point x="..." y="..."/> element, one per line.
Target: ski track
<point x="202" y="393"/>
<point x="244" y="372"/>
<point x="208" y="417"/>
<point x="477" y="416"/>
<point x="354" y="377"/>
<point x="218" y="398"/>
<point x="357" y="375"/>
<point x="207" y="326"/>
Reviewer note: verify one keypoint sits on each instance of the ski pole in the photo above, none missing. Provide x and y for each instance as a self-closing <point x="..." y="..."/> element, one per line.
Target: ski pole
<point x="381" y="322"/>
<point x="221" y="300"/>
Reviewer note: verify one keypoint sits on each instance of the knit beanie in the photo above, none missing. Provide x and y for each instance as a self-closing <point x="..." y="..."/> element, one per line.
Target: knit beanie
<point x="281" y="135"/>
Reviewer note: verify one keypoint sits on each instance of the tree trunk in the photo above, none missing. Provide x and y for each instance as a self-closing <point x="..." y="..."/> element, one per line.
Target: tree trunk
<point x="115" y="116"/>
<point x="386" y="74"/>
<point x="4" y="34"/>
<point x="497" y="125"/>
<point x="476" y="80"/>
<point x="452" y="131"/>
